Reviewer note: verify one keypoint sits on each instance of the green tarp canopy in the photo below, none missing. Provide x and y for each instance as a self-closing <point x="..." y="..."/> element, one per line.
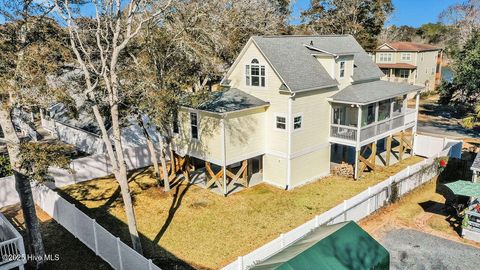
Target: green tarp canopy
<point x="340" y="246"/>
<point x="465" y="188"/>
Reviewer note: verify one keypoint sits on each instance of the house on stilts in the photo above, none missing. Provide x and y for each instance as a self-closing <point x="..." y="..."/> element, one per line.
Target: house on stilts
<point x="291" y="107"/>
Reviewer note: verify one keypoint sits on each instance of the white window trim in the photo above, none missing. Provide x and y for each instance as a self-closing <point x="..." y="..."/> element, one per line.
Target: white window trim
<point x="402" y="59"/>
<point x="275" y="122"/>
<point x="190" y="125"/>
<point x="293" y="122"/>
<point x="385" y="53"/>
<point x="249" y="63"/>
<point x="340" y="68"/>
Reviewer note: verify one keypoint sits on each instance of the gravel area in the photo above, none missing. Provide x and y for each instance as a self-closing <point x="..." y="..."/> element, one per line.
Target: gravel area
<point x="411" y="249"/>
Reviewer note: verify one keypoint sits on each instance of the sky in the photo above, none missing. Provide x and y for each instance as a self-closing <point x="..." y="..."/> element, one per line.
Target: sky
<point x="407" y="12"/>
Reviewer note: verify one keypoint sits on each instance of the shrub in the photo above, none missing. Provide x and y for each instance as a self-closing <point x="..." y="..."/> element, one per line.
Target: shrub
<point x="5" y="168"/>
<point x="468" y="122"/>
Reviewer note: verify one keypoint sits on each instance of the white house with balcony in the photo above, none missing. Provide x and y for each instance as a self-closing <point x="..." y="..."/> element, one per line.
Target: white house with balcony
<point x="408" y="62"/>
<point x="289" y="107"/>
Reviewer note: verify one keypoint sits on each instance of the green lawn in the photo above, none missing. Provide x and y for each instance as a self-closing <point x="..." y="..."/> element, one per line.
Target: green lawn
<point x="193" y="227"/>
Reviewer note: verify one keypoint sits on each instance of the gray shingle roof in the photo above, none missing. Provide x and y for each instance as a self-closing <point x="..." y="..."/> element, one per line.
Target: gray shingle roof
<point x="476" y="163"/>
<point x="231" y="100"/>
<point x="368" y="92"/>
<point x="301" y="71"/>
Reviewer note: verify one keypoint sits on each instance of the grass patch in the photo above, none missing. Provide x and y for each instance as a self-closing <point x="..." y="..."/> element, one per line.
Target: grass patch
<point x="193" y="227"/>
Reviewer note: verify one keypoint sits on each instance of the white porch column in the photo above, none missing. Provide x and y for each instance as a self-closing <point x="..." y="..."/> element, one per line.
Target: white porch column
<point x="417" y="106"/>
<point x="224" y="152"/>
<point x="357" y="146"/>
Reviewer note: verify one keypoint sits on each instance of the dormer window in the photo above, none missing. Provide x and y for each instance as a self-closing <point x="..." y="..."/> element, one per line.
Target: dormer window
<point x="255" y="74"/>
<point x="342" y="69"/>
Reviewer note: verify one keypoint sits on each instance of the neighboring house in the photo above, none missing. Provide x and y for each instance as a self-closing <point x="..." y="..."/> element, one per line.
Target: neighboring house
<point x="407" y="62"/>
<point x="290" y="104"/>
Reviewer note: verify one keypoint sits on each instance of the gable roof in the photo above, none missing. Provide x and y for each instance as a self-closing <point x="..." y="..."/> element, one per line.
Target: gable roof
<point x="408" y="46"/>
<point x="292" y="58"/>
<point x="231" y="100"/>
<point x="368" y="92"/>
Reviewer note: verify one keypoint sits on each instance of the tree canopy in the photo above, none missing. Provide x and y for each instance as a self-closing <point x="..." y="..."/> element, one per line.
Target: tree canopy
<point x="364" y="19"/>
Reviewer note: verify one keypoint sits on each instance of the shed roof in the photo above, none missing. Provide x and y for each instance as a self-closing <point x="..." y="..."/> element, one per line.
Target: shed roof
<point x="340" y="246"/>
<point x="231" y="100"/>
<point x="293" y="59"/>
<point x="368" y="92"/>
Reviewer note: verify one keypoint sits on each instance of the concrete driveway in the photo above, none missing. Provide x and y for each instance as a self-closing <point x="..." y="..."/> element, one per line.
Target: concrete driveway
<point x="412" y="249"/>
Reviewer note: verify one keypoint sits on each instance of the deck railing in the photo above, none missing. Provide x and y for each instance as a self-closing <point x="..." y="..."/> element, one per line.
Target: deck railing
<point x="12" y="250"/>
<point x="374" y="129"/>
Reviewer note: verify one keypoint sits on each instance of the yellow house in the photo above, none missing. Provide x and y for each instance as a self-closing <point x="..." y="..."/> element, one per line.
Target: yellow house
<point x="407" y="62"/>
<point x="289" y="104"/>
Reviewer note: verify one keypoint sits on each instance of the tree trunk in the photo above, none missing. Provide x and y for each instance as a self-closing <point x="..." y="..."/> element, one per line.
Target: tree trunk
<point x="163" y="160"/>
<point x="151" y="149"/>
<point x="24" y="189"/>
<point x="123" y="179"/>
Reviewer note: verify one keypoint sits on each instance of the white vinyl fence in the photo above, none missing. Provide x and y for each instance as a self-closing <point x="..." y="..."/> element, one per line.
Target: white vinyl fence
<point x="96" y="166"/>
<point x="355" y="208"/>
<point x="103" y="243"/>
<point x="429" y="146"/>
<point x="8" y="192"/>
<point x="85" y="141"/>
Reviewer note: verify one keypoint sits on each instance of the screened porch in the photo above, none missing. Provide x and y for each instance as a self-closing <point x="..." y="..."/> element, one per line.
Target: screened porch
<point x="358" y="125"/>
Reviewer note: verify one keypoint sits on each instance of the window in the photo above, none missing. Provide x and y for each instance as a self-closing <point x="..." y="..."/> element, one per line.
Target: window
<point x="281" y="122"/>
<point x="403" y="73"/>
<point x="255" y="74"/>
<point x="385" y="57"/>
<point x="386" y="72"/>
<point x="406" y="57"/>
<point x="342" y="69"/>
<point x="194" y="125"/>
<point x="175" y="128"/>
<point x="384" y="109"/>
<point x="297" y="122"/>
<point x="398" y="105"/>
<point x="368" y="114"/>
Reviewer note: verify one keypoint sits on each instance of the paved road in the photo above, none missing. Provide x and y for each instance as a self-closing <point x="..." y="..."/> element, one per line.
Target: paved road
<point x="411" y="249"/>
<point x="442" y="120"/>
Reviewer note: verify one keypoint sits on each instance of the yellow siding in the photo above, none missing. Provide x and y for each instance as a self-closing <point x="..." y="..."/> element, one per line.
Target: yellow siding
<point x="315" y="111"/>
<point x="277" y="139"/>
<point x="275" y="170"/>
<point x="208" y="146"/>
<point x="245" y="135"/>
<point x="310" y="167"/>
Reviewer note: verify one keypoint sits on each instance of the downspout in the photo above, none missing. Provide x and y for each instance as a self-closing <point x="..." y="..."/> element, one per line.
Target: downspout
<point x="224" y="153"/>
<point x="289" y="138"/>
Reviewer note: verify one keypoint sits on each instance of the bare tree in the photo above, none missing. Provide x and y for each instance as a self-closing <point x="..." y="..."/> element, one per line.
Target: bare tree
<point x="465" y="17"/>
<point x="99" y="45"/>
